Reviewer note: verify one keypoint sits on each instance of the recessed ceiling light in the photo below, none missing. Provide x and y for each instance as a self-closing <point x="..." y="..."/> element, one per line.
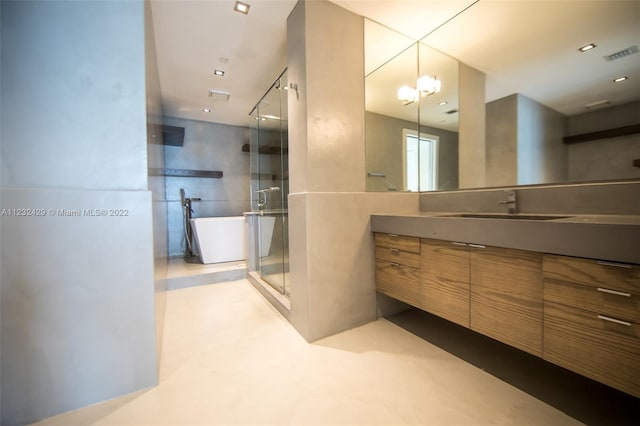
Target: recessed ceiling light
<point x="206" y="110"/>
<point x="587" y="47"/>
<point x="619" y="79"/>
<point x="443" y="103"/>
<point x="219" y="72"/>
<point x="241" y="7"/>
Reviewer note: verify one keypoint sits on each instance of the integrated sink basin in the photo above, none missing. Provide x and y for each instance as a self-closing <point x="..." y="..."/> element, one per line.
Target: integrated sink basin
<point x="503" y="216"/>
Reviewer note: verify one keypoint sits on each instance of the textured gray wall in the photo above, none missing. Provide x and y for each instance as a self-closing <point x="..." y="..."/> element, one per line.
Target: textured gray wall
<point x="605" y="158"/>
<point x="541" y="152"/>
<point x="472" y="134"/>
<point x="502" y="141"/>
<point x="384" y="152"/>
<point x="77" y="317"/>
<point x="155" y="153"/>
<point x="524" y="142"/>
<point x="331" y="245"/>
<point x="207" y="146"/>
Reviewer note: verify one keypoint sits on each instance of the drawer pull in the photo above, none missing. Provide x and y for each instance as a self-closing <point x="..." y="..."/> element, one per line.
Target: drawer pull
<point x="394" y="251"/>
<point x="458" y="244"/>
<point x="395" y="265"/>
<point x="477" y="246"/>
<point x="617" y="321"/>
<point x="617" y="293"/>
<point x="617" y="265"/>
<point x="393" y="235"/>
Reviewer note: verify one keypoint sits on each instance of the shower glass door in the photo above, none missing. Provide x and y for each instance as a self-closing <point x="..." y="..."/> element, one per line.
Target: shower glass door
<point x="270" y="186"/>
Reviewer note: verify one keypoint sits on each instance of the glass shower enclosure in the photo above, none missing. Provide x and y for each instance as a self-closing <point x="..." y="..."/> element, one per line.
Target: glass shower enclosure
<point x="268" y="237"/>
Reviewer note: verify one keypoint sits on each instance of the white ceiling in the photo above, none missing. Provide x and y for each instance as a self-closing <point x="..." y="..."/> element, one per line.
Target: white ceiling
<point x="525" y="46"/>
<point x="192" y="36"/>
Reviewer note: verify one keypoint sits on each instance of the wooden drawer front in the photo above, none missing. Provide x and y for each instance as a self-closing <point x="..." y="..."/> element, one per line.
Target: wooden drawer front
<point x="622" y="305"/>
<point x="512" y="271"/>
<point x="604" y="351"/>
<point x="592" y="273"/>
<point x="444" y="259"/>
<point x="397" y="281"/>
<point x="511" y="318"/>
<point x="399" y="242"/>
<point x="446" y="298"/>
<point x="398" y="256"/>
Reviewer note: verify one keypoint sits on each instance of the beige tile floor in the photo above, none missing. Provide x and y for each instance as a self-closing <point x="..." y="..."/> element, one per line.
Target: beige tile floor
<point x="229" y="358"/>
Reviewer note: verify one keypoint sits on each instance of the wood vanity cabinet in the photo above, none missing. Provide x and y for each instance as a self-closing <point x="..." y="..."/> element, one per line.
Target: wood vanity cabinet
<point x="592" y="319"/>
<point x="506" y="296"/>
<point x="398" y="267"/>
<point x="581" y="314"/>
<point x="445" y="280"/>
<point x="494" y="291"/>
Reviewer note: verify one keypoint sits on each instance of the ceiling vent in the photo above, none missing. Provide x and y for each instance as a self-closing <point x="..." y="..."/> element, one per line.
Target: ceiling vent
<point x="621" y="54"/>
<point x="219" y="95"/>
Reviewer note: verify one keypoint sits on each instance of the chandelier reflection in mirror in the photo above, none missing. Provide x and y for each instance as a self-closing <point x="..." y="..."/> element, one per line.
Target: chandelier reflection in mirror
<point x="425" y="86"/>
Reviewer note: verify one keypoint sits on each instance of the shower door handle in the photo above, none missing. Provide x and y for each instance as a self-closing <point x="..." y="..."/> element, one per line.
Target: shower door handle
<point x="263" y="196"/>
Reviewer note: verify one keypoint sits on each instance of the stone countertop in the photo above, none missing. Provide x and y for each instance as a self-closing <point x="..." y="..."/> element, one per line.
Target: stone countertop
<point x="613" y="238"/>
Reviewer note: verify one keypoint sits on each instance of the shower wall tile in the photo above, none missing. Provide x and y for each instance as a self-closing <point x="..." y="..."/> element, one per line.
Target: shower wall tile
<point x="207" y="146"/>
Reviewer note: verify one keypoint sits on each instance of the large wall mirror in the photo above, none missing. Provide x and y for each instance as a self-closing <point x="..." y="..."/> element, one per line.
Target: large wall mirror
<point x="552" y="113"/>
<point x="411" y="103"/>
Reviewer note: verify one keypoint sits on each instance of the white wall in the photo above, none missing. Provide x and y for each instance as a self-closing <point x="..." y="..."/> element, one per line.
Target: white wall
<point x="77" y="291"/>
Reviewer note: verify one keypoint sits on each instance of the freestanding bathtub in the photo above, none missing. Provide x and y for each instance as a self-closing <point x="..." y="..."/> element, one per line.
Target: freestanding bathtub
<point x="220" y="239"/>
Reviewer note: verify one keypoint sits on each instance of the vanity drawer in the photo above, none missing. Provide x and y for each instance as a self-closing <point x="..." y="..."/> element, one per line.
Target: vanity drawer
<point x="509" y="317"/>
<point x="445" y="259"/>
<point x="445" y="280"/>
<point x="515" y="272"/>
<point x="446" y="298"/>
<point x="398" y="256"/>
<point x="399" y="242"/>
<point x="601" y="349"/>
<point x="593" y="273"/>
<point x="607" y="301"/>
<point x="398" y="281"/>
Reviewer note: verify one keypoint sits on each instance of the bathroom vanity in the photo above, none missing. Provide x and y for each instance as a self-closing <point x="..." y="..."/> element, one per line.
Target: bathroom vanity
<point x="563" y="288"/>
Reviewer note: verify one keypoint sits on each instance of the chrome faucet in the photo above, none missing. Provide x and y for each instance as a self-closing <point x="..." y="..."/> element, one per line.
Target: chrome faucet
<point x="511" y="202"/>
